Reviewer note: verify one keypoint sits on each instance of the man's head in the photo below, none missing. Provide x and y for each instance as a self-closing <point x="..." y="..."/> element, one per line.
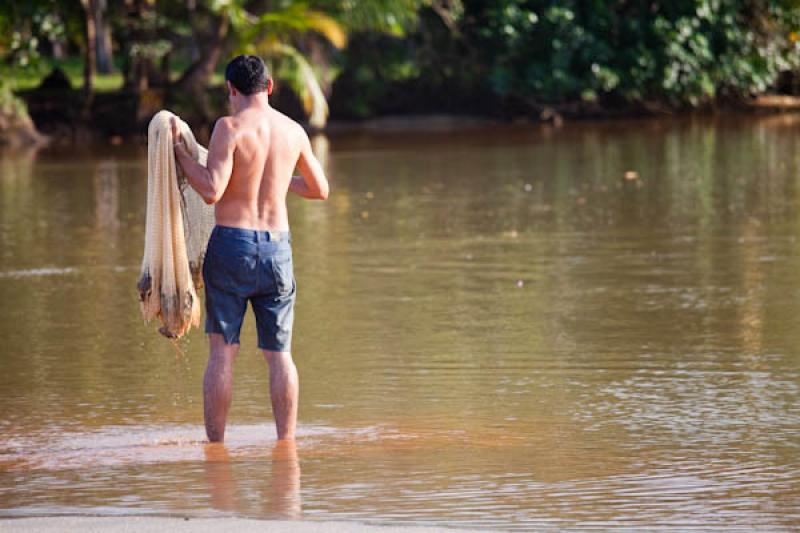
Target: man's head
<point x="247" y="75"/>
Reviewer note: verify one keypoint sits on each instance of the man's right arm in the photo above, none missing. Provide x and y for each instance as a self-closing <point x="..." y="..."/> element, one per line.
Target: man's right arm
<point x="209" y="181"/>
<point x="311" y="183"/>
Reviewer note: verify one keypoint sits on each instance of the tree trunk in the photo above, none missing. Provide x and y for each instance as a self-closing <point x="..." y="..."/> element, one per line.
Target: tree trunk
<point x="141" y="73"/>
<point x="135" y="71"/>
<point x="201" y="71"/>
<point x="166" y="68"/>
<point x="197" y="77"/>
<point x="105" y="64"/>
<point x="90" y="65"/>
<point x="58" y="46"/>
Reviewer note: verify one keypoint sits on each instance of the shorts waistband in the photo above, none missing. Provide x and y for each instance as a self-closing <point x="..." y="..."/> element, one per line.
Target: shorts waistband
<point x="254" y="235"/>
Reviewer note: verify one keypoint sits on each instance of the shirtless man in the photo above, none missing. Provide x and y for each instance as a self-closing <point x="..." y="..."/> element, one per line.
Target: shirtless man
<point x="251" y="158"/>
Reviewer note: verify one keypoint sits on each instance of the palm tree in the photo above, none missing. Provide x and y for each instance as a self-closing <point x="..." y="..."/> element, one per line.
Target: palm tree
<point x="277" y="33"/>
<point x="271" y="36"/>
<point x="90" y="58"/>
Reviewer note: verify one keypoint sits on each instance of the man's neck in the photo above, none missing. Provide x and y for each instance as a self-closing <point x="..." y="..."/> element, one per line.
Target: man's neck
<point x="255" y="101"/>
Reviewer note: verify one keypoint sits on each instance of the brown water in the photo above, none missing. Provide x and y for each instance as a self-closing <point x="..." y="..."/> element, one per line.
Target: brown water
<point x="495" y="328"/>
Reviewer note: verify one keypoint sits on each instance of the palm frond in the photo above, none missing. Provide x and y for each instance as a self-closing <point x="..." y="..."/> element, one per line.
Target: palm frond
<point x="297" y="18"/>
<point x="394" y="17"/>
<point x="235" y="12"/>
<point x="328" y="27"/>
<point x="299" y="74"/>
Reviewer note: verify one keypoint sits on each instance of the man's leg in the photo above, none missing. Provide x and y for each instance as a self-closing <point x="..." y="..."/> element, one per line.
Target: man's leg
<point x="217" y="386"/>
<point x="284" y="390"/>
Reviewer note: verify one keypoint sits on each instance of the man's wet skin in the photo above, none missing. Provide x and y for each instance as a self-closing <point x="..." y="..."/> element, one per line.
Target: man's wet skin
<point x="252" y="155"/>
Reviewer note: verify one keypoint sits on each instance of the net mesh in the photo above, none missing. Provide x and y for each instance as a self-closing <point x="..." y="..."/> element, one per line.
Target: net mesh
<point x="177" y="227"/>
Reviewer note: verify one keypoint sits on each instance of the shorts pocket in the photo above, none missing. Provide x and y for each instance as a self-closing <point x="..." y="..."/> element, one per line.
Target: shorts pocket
<point x="283" y="270"/>
<point x="231" y="274"/>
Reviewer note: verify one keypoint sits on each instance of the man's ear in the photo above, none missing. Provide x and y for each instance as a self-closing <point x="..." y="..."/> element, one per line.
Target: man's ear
<point x="231" y="88"/>
<point x="270" y="86"/>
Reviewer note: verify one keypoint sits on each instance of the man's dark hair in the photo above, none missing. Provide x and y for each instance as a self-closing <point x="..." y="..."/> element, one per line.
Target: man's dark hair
<point x="248" y="74"/>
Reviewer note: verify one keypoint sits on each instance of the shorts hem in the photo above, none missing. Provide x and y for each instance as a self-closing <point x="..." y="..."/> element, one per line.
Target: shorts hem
<point x="287" y="348"/>
<point x="226" y="338"/>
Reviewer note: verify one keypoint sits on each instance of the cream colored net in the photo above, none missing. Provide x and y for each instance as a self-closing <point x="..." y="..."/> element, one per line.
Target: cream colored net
<point x="177" y="228"/>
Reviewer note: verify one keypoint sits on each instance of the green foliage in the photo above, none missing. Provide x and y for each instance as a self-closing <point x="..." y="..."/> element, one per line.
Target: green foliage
<point x="28" y="30"/>
<point x="687" y="52"/>
<point x="682" y="52"/>
<point x="11" y="105"/>
<point x="372" y="66"/>
<point x="31" y="77"/>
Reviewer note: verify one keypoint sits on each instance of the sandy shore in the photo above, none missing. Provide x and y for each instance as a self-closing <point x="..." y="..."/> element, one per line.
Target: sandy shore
<point x="133" y="524"/>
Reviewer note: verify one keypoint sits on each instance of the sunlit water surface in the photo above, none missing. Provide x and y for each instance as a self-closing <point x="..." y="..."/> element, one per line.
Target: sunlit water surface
<point x="525" y="328"/>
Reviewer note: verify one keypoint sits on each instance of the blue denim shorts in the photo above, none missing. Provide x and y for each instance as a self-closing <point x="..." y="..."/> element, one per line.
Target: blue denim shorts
<point x="244" y="265"/>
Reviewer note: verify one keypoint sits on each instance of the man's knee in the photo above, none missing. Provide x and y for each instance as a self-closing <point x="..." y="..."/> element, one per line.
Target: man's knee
<point x="277" y="357"/>
<point x="221" y="350"/>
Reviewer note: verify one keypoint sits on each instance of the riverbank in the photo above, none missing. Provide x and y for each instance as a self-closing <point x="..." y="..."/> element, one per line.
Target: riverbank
<point x="138" y="524"/>
<point x="122" y="116"/>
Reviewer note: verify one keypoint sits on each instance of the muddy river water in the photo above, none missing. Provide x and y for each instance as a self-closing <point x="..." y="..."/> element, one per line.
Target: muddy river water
<point x="505" y="328"/>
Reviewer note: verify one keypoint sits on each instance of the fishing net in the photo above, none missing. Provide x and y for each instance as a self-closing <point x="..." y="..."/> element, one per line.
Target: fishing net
<point x="177" y="228"/>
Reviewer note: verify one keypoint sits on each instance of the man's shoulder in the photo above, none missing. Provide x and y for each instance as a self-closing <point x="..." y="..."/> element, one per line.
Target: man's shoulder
<point x="232" y="126"/>
<point x="226" y="121"/>
<point x="287" y="123"/>
<point x="225" y="124"/>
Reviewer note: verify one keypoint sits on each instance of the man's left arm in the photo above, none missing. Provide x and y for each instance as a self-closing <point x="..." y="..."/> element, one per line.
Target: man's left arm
<point x="209" y="181"/>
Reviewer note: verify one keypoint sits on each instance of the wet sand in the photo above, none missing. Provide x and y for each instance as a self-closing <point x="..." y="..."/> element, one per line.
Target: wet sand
<point x="124" y="524"/>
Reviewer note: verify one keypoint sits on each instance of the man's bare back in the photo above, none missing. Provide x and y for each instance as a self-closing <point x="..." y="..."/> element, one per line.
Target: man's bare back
<point x="251" y="156"/>
<point x="267" y="146"/>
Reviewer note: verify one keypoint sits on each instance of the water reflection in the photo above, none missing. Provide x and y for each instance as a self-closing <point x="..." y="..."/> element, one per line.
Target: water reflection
<point x="284" y="499"/>
<point x="219" y="477"/>
<point x="281" y="499"/>
<point x="106" y="187"/>
<point x="321" y="147"/>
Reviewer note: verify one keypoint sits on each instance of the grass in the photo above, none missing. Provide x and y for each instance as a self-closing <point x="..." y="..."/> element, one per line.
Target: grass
<point x="73" y="67"/>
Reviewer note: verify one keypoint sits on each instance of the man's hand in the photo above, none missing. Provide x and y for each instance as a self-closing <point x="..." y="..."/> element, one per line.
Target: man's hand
<point x="311" y="183"/>
<point x="176" y="135"/>
<point x="179" y="148"/>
